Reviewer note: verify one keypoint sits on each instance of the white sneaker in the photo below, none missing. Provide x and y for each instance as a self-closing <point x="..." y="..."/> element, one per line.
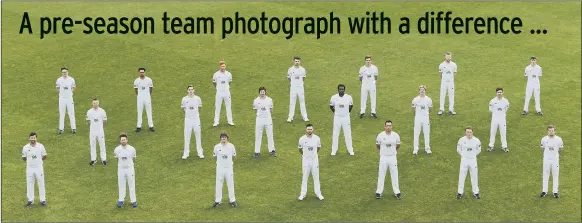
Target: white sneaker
<point x="184" y="157"/>
<point x="352" y="154"/>
<point x="215" y="124"/>
<point x="301" y="197"/>
<point x="289" y="120"/>
<point x="320" y="197"/>
<point x="231" y="123"/>
<point x="306" y="119"/>
<point x="201" y="156"/>
<point x="428" y="152"/>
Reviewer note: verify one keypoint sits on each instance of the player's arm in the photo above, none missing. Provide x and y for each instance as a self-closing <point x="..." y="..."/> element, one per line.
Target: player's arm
<point x="561" y="146"/>
<point x="304" y="74"/>
<point x="491" y="106"/>
<point x="214" y="153"/>
<point x="361" y="75"/>
<point x="376" y="73"/>
<point x="271" y="108"/>
<point x="525" y="72"/>
<point x="351" y="104"/>
<point x="397" y="143"/>
<point x="540" y="74"/>
<point x="214" y="79"/>
<point x="543" y="144"/>
<point x="429" y="105"/>
<point x="413" y="106"/>
<point x="332" y="105"/>
<point x="506" y="105"/>
<point x="300" y="147"/>
<point x="378" y="142"/>
<point x="441" y="70"/>
<point x="318" y="144"/>
<point x="87" y="118"/>
<point x="199" y="104"/>
<point x="151" y="85"/>
<point x="58" y="87"/>
<point x="134" y="154"/>
<point x="104" y="117"/>
<point x="289" y="74"/>
<point x="233" y="152"/>
<point x="183" y="105"/>
<point x="24" y="153"/>
<point x="135" y="86"/>
<point x="74" y="85"/>
<point x="459" y="146"/>
<point x="455" y="71"/>
<point x="478" y="148"/>
<point x="229" y="77"/>
<point x="43" y="153"/>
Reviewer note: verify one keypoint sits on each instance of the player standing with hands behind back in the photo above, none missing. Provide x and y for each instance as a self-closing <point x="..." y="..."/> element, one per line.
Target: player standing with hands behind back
<point x="533" y="72"/>
<point x="468" y="147"/>
<point x="143" y="89"/>
<point x="368" y="76"/>
<point x="341" y="105"/>
<point x="224" y="153"/>
<point x="448" y="70"/>
<point x="551" y="145"/>
<point x="296" y="75"/>
<point x="498" y="106"/>
<point x="34" y="155"/>
<point x="309" y="146"/>
<point x="264" y="108"/>
<point x="191" y="105"/>
<point x="65" y="87"/>
<point x="221" y="80"/>
<point x="96" y="117"/>
<point x="125" y="155"/>
<point x="388" y="144"/>
<point x="422" y="106"/>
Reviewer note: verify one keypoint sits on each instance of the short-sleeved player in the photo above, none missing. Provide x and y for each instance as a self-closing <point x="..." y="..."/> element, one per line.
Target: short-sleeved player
<point x="296" y="76"/>
<point x="498" y="107"/>
<point x="309" y="146"/>
<point x="191" y="105"/>
<point x="341" y="105"/>
<point x="34" y="154"/>
<point x="125" y="155"/>
<point x="448" y="70"/>
<point x="263" y="106"/>
<point x="65" y="87"/>
<point x="96" y="117"/>
<point x="224" y="153"/>
<point x="533" y="73"/>
<point x="221" y="80"/>
<point x="368" y="75"/>
<point x="551" y="145"/>
<point x="469" y="148"/>
<point x="422" y="106"/>
<point x="388" y="144"/>
<point x="144" y="86"/>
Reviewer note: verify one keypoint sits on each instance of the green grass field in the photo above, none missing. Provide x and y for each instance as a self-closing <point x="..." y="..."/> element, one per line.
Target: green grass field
<point x="171" y="189"/>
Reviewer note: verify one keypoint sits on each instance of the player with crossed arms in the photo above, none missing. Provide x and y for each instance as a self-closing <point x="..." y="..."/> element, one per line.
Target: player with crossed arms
<point x="422" y="106"/>
<point x="468" y="147"/>
<point x="388" y="144"/>
<point x="96" y="117"/>
<point x="34" y="155"/>
<point x="143" y="89"/>
<point x="368" y="75"/>
<point x="65" y="87"/>
<point x="341" y="105"/>
<point x="125" y="155"/>
<point x="221" y="80"/>
<point x="191" y="105"/>
<point x="309" y="146"/>
<point x="498" y="106"/>
<point x="551" y="145"/>
<point x="296" y="76"/>
<point x="263" y="105"/>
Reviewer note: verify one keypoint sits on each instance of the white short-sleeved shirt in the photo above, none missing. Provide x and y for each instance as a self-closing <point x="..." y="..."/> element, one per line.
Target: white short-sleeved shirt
<point x="34" y="154"/>
<point x="263" y="107"/>
<point x="388" y="143"/>
<point x="499" y="107"/>
<point x="191" y="106"/>
<point x="533" y="74"/>
<point x="97" y="118"/>
<point x="143" y="86"/>
<point x="296" y="74"/>
<point x="222" y="80"/>
<point x="552" y="147"/>
<point x="368" y="74"/>
<point x="65" y="86"/>
<point x="224" y="155"/>
<point x="309" y="146"/>
<point x="469" y="148"/>
<point x="124" y="155"/>
<point x="341" y="104"/>
<point x="448" y="70"/>
<point x="421" y="106"/>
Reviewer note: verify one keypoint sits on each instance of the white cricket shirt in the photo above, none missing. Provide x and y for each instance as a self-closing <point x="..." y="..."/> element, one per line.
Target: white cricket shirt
<point x="421" y="106"/>
<point x="448" y="70"/>
<point x="533" y="74"/>
<point x="499" y="107"/>
<point x="263" y="106"/>
<point x="65" y="86"/>
<point x="388" y="143"/>
<point x="552" y="146"/>
<point x="309" y="146"/>
<point x="222" y="80"/>
<point x="469" y="148"/>
<point x="191" y="106"/>
<point x="224" y="154"/>
<point x="97" y="118"/>
<point x="341" y="104"/>
<point x="143" y="86"/>
<point x="296" y="74"/>
<point x="34" y="154"/>
<point x="369" y="74"/>
<point x="124" y="155"/>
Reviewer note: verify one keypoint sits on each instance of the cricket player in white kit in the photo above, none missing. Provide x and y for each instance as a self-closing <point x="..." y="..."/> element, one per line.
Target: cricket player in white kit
<point x="309" y="146"/>
<point x="125" y="155"/>
<point x="533" y="73"/>
<point x="224" y="153"/>
<point x="498" y="106"/>
<point x="388" y="144"/>
<point x="191" y="105"/>
<point x="263" y="106"/>
<point x="468" y="147"/>
<point x="296" y="76"/>
<point x="422" y="106"/>
<point x="65" y="87"/>
<point x="368" y="75"/>
<point x="96" y="117"/>
<point x="143" y="88"/>
<point x="341" y="105"/>
<point x="221" y="80"/>
<point x="551" y="145"/>
<point x="34" y="155"/>
<point x="448" y="70"/>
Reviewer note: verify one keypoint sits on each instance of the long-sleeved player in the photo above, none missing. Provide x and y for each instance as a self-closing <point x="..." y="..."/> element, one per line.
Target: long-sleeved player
<point x="533" y="73"/>
<point x="498" y="106"/>
<point x="422" y="106"/>
<point x="221" y="80"/>
<point x="191" y="105"/>
<point x="551" y="145"/>
<point x="263" y="106"/>
<point x="388" y="144"/>
<point x="448" y="70"/>
<point x="224" y="153"/>
<point x="468" y="147"/>
<point x="65" y="87"/>
<point x="97" y="117"/>
<point x="144" y="86"/>
<point x="125" y="155"/>
<point x="341" y="105"/>
<point x="309" y="146"/>
<point x="34" y="154"/>
<point x="368" y="75"/>
<point x="296" y="76"/>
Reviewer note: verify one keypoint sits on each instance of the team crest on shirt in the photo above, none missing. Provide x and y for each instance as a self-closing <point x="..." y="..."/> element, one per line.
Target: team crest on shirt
<point x="388" y="145"/>
<point x="551" y="148"/>
<point x="422" y="107"/>
<point x="310" y="148"/>
<point x="95" y="120"/>
<point x="191" y="108"/>
<point x="33" y="156"/>
<point x="263" y="109"/>
<point x="469" y="149"/>
<point x="341" y="106"/>
<point x="224" y="156"/>
<point x="222" y="82"/>
<point x="66" y="88"/>
<point x="369" y="76"/>
<point x="124" y="158"/>
<point x="297" y="78"/>
<point x="143" y="88"/>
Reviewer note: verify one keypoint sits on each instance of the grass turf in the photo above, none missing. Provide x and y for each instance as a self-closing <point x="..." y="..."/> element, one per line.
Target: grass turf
<point x="171" y="189"/>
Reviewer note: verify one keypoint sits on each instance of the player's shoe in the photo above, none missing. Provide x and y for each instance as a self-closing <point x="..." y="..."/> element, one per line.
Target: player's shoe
<point x="320" y="197"/>
<point x="378" y="195"/>
<point x="104" y="162"/>
<point x="256" y="155"/>
<point x="273" y="153"/>
<point x="43" y="203"/>
<point x="398" y="196"/>
<point x="543" y="194"/>
<point x="134" y="204"/>
<point x="215" y="124"/>
<point x="289" y="120"/>
<point x="152" y="129"/>
<point x="138" y="129"/>
<point x="231" y="123"/>
<point x="490" y="149"/>
<point x="459" y="196"/>
<point x="75" y="131"/>
<point x="428" y="151"/>
<point x="540" y="113"/>
<point x="28" y="203"/>
<point x="374" y="115"/>
<point x="452" y="112"/>
<point x="301" y="197"/>
<point x="523" y="113"/>
<point x="333" y="154"/>
<point x="120" y="204"/>
<point x="60" y="132"/>
<point x="201" y="156"/>
<point x="234" y="204"/>
<point x="352" y="154"/>
<point x="440" y="112"/>
<point x="477" y="196"/>
<point x="505" y="149"/>
<point x="215" y="204"/>
<point x="306" y="119"/>
<point x="556" y="195"/>
<point x="362" y="115"/>
<point x="92" y="163"/>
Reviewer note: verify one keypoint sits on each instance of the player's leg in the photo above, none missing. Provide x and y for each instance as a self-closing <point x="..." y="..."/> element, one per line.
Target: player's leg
<point x="217" y="107"/>
<point x="363" y="99"/>
<point x="228" y="102"/>
<point x="382" y="167"/>
<point x="373" y="99"/>
<point x="292" y="101"/>
<point x="503" y="132"/>
<point x="462" y="176"/>
<point x="493" y="132"/>
<point x="302" y="106"/>
<point x="140" y="105"/>
<point x="259" y="126"/>
<point x="426" y="130"/>
<point x="71" y="113"/>
<point x="556" y="175"/>
<point x="121" y="183"/>
<point x="474" y="177"/>
<point x="197" y="135"/>
<point x="187" y="136"/>
<point x="270" y="139"/>
<point x="528" y="92"/>
<point x="148" y="107"/>
<point x="306" y="169"/>
<point x="393" y="165"/>
<point x="30" y="184"/>
<point x="315" y="175"/>
<point x="220" y="174"/>
<point x="102" y="149"/>
<point x="547" y="166"/>
<point x="93" y="145"/>
<point x="442" y="96"/>
<point x="347" y="128"/>
<point x="451" y="89"/>
<point x="335" y="135"/>
<point x="131" y="182"/>
<point x="230" y="184"/>
<point x="40" y="181"/>
<point x="537" y="98"/>
<point x="62" y="107"/>
<point x="417" y="127"/>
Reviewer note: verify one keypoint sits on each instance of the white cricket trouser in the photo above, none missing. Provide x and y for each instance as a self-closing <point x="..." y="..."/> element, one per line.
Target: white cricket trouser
<point x="297" y="92"/>
<point x="192" y="124"/>
<point x="222" y="174"/>
<point x="310" y="167"/>
<point x="261" y="124"/>
<point x="35" y="174"/>
<point x="385" y="163"/>
<point x="93" y="138"/>
<point x="223" y="96"/>
<point x="126" y="175"/>
<point x="471" y="166"/>
<point x="421" y="124"/>
<point x="365" y="90"/>
<point x="68" y="105"/>
<point x="147" y="103"/>
<point x="535" y="89"/>
<point x="340" y="123"/>
<point x="553" y="167"/>
<point x="447" y="87"/>
<point x="501" y="124"/>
